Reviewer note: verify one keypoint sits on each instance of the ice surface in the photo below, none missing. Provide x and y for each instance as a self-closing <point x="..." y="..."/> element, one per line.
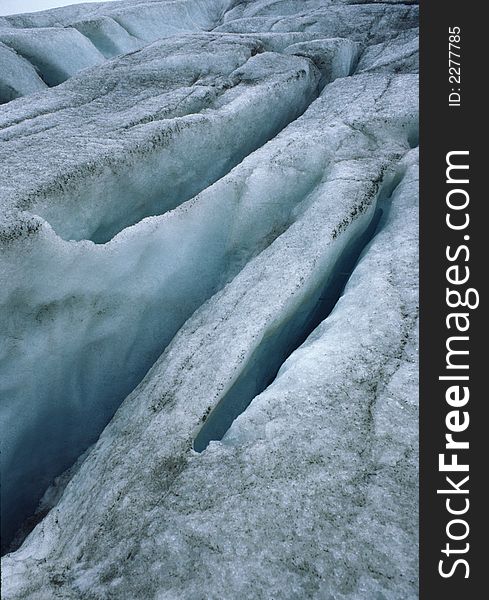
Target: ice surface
<point x="125" y="295"/>
<point x="302" y="477"/>
<point x="399" y="54"/>
<point x="176" y="103"/>
<point x="60" y="42"/>
<point x="108" y="36"/>
<point x="369" y="22"/>
<point x="51" y="40"/>
<point x="333" y="57"/>
<point x="202" y="181"/>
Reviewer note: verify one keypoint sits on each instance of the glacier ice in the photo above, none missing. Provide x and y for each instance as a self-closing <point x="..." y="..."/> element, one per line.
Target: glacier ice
<point x="165" y="102"/>
<point x="125" y="294"/>
<point x="108" y="36"/>
<point x="18" y="77"/>
<point x="55" y="53"/>
<point x="273" y="473"/>
<point x="353" y="20"/>
<point x="207" y="176"/>
<point x="398" y="54"/>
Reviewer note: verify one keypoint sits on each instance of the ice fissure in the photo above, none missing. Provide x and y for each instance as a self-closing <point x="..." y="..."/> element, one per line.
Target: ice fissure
<point x="286" y="336"/>
<point x="207" y="233"/>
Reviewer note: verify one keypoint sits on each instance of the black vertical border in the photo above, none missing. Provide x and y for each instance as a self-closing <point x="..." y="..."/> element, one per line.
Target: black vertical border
<point x="443" y="129"/>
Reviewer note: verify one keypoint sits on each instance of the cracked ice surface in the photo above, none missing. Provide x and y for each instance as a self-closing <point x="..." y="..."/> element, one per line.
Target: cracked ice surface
<point x="183" y="205"/>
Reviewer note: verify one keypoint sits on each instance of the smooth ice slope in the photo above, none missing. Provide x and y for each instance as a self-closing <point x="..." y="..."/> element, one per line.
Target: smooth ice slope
<point x="17" y="77"/>
<point x="202" y="202"/>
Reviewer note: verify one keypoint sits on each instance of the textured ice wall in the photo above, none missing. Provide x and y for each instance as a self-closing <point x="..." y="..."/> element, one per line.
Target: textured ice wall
<point x="219" y="215"/>
<point x="165" y="104"/>
<point x="55" y="53"/>
<point x="320" y="471"/>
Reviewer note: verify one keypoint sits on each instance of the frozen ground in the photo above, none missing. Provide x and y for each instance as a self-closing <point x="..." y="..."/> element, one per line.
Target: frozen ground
<point x="208" y="300"/>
